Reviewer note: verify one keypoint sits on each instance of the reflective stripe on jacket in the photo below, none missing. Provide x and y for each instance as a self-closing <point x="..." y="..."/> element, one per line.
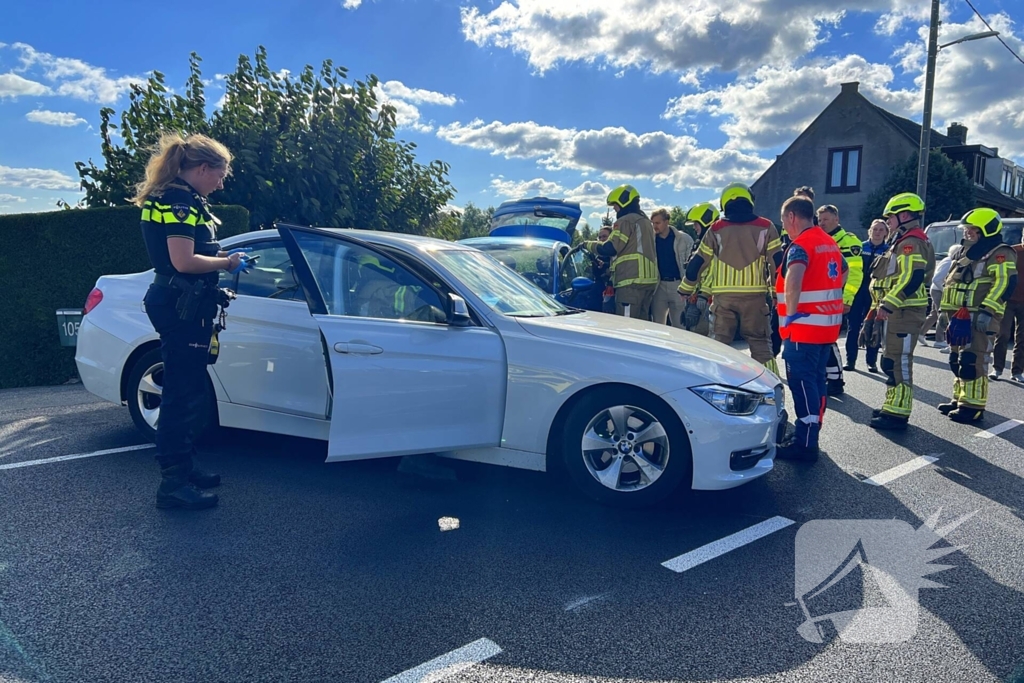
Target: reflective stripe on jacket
<point x="821" y="293"/>
<point x="979" y="284"/>
<point x="636" y="257"/>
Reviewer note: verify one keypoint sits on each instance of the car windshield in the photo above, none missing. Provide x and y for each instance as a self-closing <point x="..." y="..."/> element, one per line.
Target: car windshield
<point x="533" y="262"/>
<point x="500" y="288"/>
<point x="529" y="218"/>
<point x="944" y="238"/>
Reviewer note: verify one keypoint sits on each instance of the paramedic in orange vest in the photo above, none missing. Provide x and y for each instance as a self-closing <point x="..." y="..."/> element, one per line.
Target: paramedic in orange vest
<point x="809" y="287"/>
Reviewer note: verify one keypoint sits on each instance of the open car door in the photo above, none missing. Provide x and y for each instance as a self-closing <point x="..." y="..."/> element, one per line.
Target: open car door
<point x="410" y="369"/>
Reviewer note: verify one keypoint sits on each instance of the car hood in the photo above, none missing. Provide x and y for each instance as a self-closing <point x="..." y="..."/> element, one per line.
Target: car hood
<point x="710" y="361"/>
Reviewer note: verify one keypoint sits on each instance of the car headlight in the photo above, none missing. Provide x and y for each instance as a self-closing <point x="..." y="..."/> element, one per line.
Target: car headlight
<point x="730" y="400"/>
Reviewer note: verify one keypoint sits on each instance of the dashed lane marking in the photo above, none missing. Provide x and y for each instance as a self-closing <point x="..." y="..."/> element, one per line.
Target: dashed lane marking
<point x="999" y="429"/>
<point x="917" y="463"/>
<point x="448" y="665"/>
<point x="722" y="546"/>
<point x="76" y="456"/>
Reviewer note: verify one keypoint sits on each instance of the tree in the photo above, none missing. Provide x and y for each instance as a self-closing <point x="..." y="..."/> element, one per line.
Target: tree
<point x="950" y="192"/>
<point x="607" y="221"/>
<point x="476" y="222"/>
<point x="312" y="150"/>
<point x="677" y="219"/>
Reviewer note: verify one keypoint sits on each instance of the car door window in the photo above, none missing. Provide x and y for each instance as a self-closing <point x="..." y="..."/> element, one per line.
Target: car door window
<point x="272" y="276"/>
<point x="568" y="274"/>
<point x="358" y="282"/>
<point x="584" y="266"/>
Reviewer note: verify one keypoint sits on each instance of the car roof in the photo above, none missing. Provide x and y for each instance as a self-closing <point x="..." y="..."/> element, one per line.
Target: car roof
<point x="511" y="241"/>
<point x="953" y="224"/>
<point x="378" y="237"/>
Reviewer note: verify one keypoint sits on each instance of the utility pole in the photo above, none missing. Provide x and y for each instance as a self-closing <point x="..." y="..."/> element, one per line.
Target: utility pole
<point x="929" y="87"/>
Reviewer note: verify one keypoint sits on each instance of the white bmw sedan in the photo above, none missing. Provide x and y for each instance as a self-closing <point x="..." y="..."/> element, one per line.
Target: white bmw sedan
<point x="385" y="344"/>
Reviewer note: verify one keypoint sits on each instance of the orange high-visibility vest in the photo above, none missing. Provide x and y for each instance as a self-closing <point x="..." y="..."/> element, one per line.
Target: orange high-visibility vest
<point x="821" y="294"/>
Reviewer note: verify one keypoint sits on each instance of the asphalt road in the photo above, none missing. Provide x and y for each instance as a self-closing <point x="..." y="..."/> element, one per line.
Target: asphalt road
<point x="342" y="572"/>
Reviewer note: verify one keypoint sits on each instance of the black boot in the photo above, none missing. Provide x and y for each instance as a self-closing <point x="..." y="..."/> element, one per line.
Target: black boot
<point x="947" y="408"/>
<point x="203" y="479"/>
<point x="873" y="368"/>
<point x="849" y="367"/>
<point x="887" y="421"/>
<point x="176" y="492"/>
<point x="795" y="451"/>
<point x="835" y="387"/>
<point x="967" y="414"/>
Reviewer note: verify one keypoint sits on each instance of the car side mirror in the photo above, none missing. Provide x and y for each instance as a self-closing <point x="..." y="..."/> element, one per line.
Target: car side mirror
<point x="459" y="315"/>
<point x="580" y="283"/>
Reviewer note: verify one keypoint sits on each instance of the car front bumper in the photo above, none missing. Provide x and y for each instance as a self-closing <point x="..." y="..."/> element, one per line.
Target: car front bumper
<point x="727" y="450"/>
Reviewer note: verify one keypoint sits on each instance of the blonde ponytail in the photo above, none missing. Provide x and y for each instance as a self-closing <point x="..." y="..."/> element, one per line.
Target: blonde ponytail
<point x="174" y="154"/>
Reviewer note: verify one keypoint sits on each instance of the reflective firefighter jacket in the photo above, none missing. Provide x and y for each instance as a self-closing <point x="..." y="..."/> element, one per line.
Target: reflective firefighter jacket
<point x="738" y="255"/>
<point x="982" y="283"/>
<point x="900" y="277"/>
<point x="636" y="256"/>
<point x="850" y="246"/>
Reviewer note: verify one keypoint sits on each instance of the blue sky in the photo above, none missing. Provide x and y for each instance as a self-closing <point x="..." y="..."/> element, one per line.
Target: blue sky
<point x="522" y="97"/>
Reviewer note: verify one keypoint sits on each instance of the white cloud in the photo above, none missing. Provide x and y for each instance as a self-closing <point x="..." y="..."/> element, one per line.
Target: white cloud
<point x="400" y="91"/>
<point x="614" y="152"/>
<point x="12" y="85"/>
<point x="73" y="77"/>
<point x="978" y="84"/>
<point x="666" y="35"/>
<point x="11" y="198"/>
<point x="772" y="105"/>
<point x="404" y="99"/>
<point x="351" y="4"/>
<point x="64" y="119"/>
<point x="36" y="178"/>
<point x="515" y="189"/>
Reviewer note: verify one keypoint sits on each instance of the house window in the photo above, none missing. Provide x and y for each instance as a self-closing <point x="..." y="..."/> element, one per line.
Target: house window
<point x="1007" y="184"/>
<point x="843" y="170"/>
<point x="979" y="171"/>
<point x="1019" y="192"/>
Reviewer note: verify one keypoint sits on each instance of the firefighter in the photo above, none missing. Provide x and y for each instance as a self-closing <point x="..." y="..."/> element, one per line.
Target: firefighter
<point x="739" y="249"/>
<point x="982" y="275"/>
<point x="631" y="244"/>
<point x="850" y="246"/>
<point x="695" y="317"/>
<point x="903" y="275"/>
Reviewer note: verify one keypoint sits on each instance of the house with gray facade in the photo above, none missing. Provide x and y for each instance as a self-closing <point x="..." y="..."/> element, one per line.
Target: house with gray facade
<point x="849" y="149"/>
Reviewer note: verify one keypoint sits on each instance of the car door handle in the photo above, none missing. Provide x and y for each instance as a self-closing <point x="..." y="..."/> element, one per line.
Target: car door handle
<point x="358" y="348"/>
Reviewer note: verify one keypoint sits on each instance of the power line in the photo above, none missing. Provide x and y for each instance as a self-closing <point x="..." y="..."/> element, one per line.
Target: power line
<point x="990" y="29"/>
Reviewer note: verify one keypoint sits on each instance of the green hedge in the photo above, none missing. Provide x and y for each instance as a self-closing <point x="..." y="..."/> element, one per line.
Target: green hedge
<point x="52" y="260"/>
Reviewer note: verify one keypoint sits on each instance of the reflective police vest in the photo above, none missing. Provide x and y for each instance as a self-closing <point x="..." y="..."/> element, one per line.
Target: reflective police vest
<point x="821" y="294"/>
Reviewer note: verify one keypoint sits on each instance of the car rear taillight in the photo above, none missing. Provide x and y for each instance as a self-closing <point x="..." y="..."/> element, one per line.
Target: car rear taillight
<point x="93" y="300"/>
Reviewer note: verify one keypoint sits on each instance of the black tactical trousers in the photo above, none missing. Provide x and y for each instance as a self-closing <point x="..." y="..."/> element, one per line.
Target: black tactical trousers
<point x="184" y="349"/>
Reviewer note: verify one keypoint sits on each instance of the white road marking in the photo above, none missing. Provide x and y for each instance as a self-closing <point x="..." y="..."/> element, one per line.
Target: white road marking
<point x="579" y="603"/>
<point x="450" y="664"/>
<point x="722" y="546"/>
<point x="999" y="429"/>
<point x="917" y="463"/>
<point x="30" y="463"/>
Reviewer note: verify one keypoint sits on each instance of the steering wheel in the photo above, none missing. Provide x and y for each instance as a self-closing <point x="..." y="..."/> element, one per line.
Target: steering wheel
<point x="428" y="314"/>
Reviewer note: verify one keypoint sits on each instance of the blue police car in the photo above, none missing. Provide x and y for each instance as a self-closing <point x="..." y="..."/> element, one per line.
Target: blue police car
<point x="534" y="237"/>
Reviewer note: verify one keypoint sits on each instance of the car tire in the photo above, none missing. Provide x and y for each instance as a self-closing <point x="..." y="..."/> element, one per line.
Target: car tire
<point x="143" y="398"/>
<point x="652" y="430"/>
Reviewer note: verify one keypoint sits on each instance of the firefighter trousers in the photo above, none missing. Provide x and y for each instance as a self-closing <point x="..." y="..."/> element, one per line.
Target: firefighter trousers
<point x="901" y="335"/>
<point x="751" y="314"/>
<point x="970" y="366"/>
<point x="639" y="298"/>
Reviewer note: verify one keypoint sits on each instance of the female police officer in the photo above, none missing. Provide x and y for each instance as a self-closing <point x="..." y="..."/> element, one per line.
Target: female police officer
<point x="180" y="236"/>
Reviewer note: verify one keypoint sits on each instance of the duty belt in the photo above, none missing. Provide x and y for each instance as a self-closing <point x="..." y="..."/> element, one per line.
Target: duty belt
<point x="177" y="282"/>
